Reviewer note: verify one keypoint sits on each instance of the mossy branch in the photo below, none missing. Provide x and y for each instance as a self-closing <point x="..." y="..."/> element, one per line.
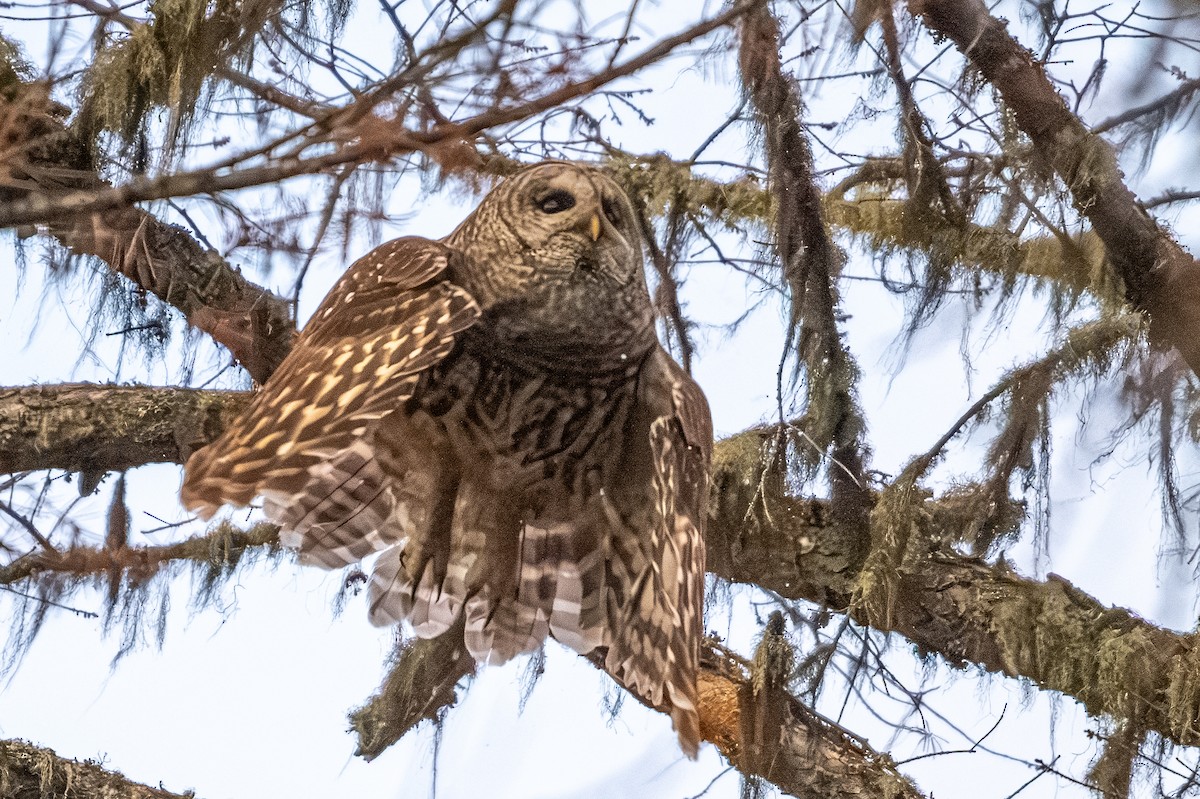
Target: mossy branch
<point x="985" y="512"/>
<point x="220" y="549"/>
<point x="965" y="610"/>
<point x="95" y="429"/>
<point x="1161" y="278"/>
<point x="33" y="772"/>
<point x="878" y="220"/>
<point x="421" y="685"/>
<point x="973" y="614"/>
<point x="809" y="263"/>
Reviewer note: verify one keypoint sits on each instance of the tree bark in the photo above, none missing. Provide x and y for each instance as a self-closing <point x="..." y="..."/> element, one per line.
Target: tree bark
<point x="95" y="429"/>
<point x="32" y="772"/>
<point x="966" y="610"/>
<point x="1161" y="278"/>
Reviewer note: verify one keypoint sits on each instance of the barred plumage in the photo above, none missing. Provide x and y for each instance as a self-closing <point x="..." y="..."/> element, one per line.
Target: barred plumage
<point x="494" y="412"/>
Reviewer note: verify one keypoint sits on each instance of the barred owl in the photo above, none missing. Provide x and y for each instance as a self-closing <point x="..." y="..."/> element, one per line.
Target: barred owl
<point x="494" y="412"/>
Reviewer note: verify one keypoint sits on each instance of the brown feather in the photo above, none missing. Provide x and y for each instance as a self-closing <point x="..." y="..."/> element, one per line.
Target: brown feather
<point x="493" y="411"/>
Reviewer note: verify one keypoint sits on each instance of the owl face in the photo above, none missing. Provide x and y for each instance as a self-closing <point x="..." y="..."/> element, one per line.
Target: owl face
<point x="556" y="248"/>
<point x="574" y="222"/>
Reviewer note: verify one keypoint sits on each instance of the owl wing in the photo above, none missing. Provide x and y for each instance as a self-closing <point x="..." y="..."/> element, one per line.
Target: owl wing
<point x="654" y="647"/>
<point x="305" y="442"/>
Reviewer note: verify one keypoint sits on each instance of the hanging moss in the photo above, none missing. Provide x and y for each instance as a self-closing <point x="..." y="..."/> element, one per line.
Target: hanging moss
<point x="660" y="182"/>
<point x="15" y="71"/>
<point x="168" y="64"/>
<point x="898" y="516"/>
<point x="136" y="582"/>
<point x="162" y="64"/>
<point x="1183" y="696"/>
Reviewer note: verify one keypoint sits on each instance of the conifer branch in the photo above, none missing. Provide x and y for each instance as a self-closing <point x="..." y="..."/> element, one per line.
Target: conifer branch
<point x="966" y="610"/>
<point x="1161" y="278"/>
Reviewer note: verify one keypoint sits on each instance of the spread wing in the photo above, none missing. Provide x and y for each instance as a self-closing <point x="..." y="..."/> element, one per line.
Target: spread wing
<point x="305" y="442"/>
<point x="655" y="642"/>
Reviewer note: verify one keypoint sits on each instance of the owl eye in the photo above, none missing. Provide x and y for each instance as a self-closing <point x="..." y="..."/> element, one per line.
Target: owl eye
<point x="612" y="211"/>
<point x="556" y="201"/>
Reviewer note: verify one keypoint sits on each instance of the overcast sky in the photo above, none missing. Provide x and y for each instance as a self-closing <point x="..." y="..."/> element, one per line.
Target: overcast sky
<point x="249" y="698"/>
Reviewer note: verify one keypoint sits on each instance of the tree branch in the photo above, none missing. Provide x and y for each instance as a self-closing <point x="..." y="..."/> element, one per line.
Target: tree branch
<point x="810" y="263"/>
<point x="50" y="164"/>
<point x="220" y="549"/>
<point x="371" y="139"/>
<point x="1161" y="279"/>
<point x="28" y="771"/>
<point x="964" y="609"/>
<point x="254" y="324"/>
<point x="95" y="429"/>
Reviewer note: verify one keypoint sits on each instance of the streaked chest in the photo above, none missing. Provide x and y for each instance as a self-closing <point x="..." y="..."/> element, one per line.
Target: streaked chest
<point x="526" y="425"/>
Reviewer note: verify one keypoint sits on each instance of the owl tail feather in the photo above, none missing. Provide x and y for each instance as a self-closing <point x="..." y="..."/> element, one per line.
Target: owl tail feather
<point x="640" y="671"/>
<point x="554" y="595"/>
<point x="653" y="637"/>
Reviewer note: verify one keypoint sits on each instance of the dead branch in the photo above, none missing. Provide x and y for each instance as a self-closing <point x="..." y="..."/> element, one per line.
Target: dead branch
<point x="353" y="146"/>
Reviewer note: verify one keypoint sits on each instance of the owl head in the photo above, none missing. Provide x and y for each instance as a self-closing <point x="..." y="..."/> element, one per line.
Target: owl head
<point x="554" y="252"/>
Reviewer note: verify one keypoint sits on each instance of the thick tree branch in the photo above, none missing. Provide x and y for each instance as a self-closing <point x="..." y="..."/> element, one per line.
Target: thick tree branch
<point x="95" y="429"/>
<point x="47" y="162"/>
<point x="32" y="772"/>
<point x="1160" y="277"/>
<point x="970" y="612"/>
<point x="966" y="610"/>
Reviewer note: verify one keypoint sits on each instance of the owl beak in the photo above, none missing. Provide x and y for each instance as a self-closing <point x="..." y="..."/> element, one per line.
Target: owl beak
<point x="594" y="227"/>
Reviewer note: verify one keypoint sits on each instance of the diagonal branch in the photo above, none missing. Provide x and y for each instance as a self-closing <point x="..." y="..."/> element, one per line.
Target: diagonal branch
<point x="1161" y="279"/>
<point x="32" y="771"/>
<point x="254" y="324"/>
<point x="49" y="163"/>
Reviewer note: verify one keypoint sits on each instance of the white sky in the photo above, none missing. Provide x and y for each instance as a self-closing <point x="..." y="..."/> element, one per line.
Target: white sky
<point x="250" y="700"/>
